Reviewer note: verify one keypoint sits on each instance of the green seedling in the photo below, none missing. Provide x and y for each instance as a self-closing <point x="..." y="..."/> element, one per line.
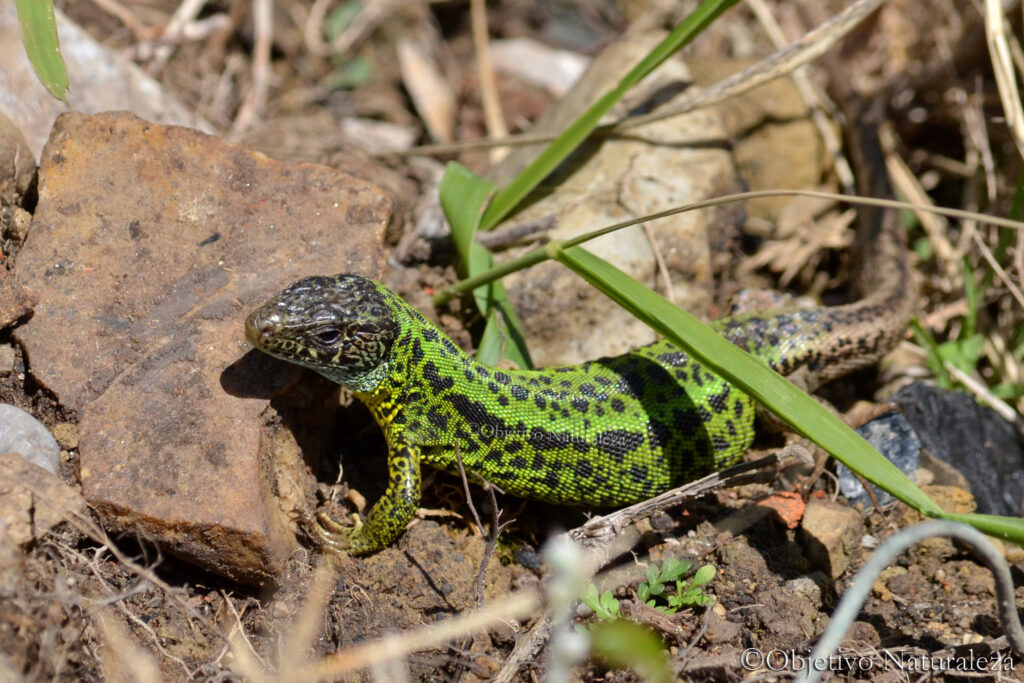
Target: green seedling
<point x="687" y="593"/>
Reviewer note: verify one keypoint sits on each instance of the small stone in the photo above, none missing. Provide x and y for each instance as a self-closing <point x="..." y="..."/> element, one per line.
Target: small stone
<point x="17" y="163"/>
<point x="15" y="300"/>
<point x="66" y="434"/>
<point x="806" y="587"/>
<point x="528" y="557"/>
<point x="720" y="630"/>
<point x="949" y="498"/>
<point x="12" y="562"/>
<point x="23" y="434"/>
<point x="32" y="501"/>
<point x="16" y="223"/>
<point x="1014" y="554"/>
<point x="831" y="533"/>
<point x="6" y="360"/>
<point x="894" y="438"/>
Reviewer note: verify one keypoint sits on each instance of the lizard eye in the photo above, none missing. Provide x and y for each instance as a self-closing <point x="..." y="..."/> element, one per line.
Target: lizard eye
<point x="328" y="336"/>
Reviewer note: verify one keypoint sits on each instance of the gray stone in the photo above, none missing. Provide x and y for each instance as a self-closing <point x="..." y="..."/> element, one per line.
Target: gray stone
<point x="23" y="434"/>
<point x="894" y="438"/>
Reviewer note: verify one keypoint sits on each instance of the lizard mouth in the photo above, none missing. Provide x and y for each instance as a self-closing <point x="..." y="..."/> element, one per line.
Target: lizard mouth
<point x="258" y="330"/>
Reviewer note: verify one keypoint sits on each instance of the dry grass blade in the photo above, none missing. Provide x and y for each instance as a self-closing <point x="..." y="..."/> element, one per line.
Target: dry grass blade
<point x="371" y="14"/>
<point x="248" y="659"/>
<point x="496" y="127"/>
<point x="390" y="647"/>
<point x="998" y="269"/>
<point x="813" y="97"/>
<point x="304" y="629"/>
<point x="186" y="13"/>
<point x="431" y="94"/>
<point x="796" y="54"/>
<point x="996" y="35"/>
<point x="981" y="391"/>
<point x="256" y="98"/>
<point x="121" y="659"/>
<point x="124" y="15"/>
<point x="934" y="225"/>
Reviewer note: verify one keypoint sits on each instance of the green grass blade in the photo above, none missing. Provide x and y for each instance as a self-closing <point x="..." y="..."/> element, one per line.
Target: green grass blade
<point x="39" y="34"/>
<point x="510" y="196"/>
<point x="463" y="195"/>
<point x="1007" y="528"/>
<point x="798" y="409"/>
<point x="927" y="342"/>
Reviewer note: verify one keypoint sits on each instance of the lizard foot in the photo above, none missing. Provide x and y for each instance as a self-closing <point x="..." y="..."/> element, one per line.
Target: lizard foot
<point x="327" y="532"/>
<point x="331" y="534"/>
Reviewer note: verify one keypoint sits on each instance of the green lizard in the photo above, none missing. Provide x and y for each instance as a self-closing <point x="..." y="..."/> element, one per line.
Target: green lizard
<point x="608" y="432"/>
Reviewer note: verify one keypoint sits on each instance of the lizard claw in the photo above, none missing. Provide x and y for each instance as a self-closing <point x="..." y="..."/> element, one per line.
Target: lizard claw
<point x="327" y="532"/>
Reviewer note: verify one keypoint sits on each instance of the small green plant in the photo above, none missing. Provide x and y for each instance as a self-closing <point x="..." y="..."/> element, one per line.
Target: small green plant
<point x="687" y="594"/>
<point x="964" y="351"/>
<point x="605" y="606"/>
<point x="654" y="589"/>
<point x="349" y="71"/>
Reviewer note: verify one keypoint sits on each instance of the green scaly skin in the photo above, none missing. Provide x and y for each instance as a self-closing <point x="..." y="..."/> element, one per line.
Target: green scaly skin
<point x="609" y="432"/>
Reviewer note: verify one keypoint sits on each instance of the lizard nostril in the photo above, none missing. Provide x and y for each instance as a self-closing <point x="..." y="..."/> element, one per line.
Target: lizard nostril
<point x="257" y="329"/>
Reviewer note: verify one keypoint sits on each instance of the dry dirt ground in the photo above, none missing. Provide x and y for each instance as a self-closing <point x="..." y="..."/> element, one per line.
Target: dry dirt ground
<point x="80" y="608"/>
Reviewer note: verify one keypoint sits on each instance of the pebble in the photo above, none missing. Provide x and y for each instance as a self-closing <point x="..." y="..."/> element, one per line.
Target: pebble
<point x="6" y="360"/>
<point x="66" y="434"/>
<point x="23" y="434"/>
<point x="31" y="503"/>
<point x="894" y="438"/>
<point x="831" y="532"/>
<point x="17" y="224"/>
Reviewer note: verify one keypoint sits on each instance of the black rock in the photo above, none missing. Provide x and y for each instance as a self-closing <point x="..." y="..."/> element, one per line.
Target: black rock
<point x="973" y="439"/>
<point x="894" y="438"/>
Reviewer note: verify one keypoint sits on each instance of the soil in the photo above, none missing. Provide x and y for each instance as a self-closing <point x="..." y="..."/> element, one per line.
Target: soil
<point x="79" y="605"/>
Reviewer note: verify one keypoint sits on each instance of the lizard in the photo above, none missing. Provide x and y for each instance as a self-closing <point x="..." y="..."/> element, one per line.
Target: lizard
<point x="608" y="432"/>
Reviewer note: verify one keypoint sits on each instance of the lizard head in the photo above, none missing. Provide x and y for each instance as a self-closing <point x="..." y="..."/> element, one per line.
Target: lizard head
<point x="341" y="326"/>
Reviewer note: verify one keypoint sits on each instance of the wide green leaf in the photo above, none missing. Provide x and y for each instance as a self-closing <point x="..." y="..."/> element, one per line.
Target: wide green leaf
<point x="628" y="645"/>
<point x="463" y="195"/>
<point x="39" y="34"/>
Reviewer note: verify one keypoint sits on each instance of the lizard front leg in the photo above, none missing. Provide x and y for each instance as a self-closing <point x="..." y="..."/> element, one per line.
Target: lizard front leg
<point x="389" y="515"/>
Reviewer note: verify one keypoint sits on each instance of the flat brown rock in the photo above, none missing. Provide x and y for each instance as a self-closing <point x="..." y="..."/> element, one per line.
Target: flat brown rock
<point x="149" y="245"/>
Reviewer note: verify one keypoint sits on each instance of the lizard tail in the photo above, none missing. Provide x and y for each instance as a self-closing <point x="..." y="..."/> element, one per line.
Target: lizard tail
<point x="824" y="343"/>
